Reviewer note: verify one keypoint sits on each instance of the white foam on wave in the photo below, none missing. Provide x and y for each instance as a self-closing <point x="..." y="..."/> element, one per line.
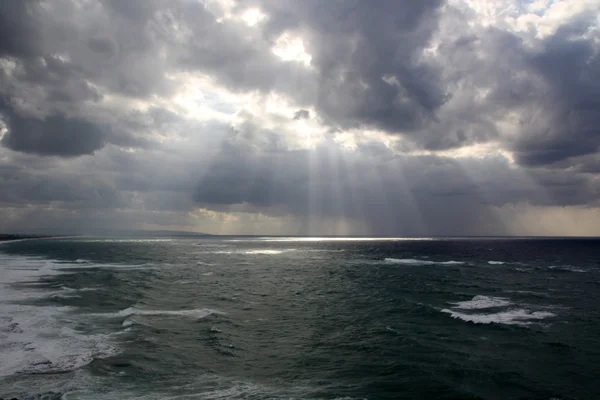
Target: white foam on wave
<point x="496" y="262"/>
<point x="266" y="251"/>
<point x="78" y="265"/>
<point x="509" y="317"/>
<point x="85" y="289"/>
<point x="40" y="338"/>
<point x="526" y="270"/>
<point x="193" y="313"/>
<point x="412" y="261"/>
<point x="480" y="302"/>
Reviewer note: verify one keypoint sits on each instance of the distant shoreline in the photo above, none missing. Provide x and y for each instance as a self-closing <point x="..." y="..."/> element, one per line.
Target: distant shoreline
<point x="11" y="237"/>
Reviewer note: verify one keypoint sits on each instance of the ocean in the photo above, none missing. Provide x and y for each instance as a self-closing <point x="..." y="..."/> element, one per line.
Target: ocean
<point x="299" y="318"/>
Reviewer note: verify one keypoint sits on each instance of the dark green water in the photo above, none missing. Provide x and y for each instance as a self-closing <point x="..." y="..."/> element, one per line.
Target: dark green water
<point x="227" y="318"/>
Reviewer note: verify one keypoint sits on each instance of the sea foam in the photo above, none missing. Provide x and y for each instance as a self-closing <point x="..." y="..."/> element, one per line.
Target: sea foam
<point x="40" y="339"/>
<point x="506" y="315"/>
<point x="193" y="313"/>
<point x="510" y="317"/>
<point x="481" y="302"/>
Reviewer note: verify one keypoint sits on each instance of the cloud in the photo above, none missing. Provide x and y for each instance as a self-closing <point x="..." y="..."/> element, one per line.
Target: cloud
<point x="302" y="114"/>
<point x="414" y="117"/>
<point x="52" y="135"/>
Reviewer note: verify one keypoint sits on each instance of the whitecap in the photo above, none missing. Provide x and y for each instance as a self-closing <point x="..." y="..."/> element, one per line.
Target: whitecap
<point x="193" y="313"/>
<point x="523" y="269"/>
<point x="510" y="317"/>
<point x="265" y="251"/>
<point x="407" y="261"/>
<point x="480" y="302"/>
<point x="39" y="338"/>
<point x="412" y="261"/>
<point x="496" y="262"/>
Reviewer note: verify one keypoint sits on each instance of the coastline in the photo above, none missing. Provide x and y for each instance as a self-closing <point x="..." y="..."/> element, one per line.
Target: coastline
<point x="14" y="237"/>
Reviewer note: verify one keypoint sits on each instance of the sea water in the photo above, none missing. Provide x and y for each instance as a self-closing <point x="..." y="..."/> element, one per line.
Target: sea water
<point x="299" y="318"/>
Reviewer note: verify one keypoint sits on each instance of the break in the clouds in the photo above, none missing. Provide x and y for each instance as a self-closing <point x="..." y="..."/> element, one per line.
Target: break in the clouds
<point x="429" y="117"/>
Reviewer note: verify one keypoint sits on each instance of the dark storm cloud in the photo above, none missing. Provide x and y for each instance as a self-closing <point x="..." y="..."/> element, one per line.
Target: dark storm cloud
<point x="60" y="59"/>
<point x="20" y="33"/>
<point x="551" y="84"/>
<point x="570" y="67"/>
<point x="93" y="78"/>
<point x="367" y="67"/>
<point x="54" y="135"/>
<point x="301" y="114"/>
<point x="366" y="58"/>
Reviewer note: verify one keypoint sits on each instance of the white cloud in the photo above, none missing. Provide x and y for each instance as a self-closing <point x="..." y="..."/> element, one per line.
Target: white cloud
<point x="291" y="48"/>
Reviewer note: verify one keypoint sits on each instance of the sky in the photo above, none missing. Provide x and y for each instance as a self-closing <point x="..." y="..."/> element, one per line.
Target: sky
<point x="313" y="117"/>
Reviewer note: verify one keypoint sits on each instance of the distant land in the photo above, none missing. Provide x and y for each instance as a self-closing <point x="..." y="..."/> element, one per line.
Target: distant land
<point x="145" y="233"/>
<point x="6" y="237"/>
<point x="137" y="233"/>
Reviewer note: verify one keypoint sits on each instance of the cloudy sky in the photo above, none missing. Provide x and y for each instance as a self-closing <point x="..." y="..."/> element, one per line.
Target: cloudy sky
<point x="318" y="117"/>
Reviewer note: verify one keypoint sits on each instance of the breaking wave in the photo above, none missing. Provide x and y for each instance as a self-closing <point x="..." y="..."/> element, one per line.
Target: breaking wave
<point x="510" y="317"/>
<point x="481" y="302"/>
<point x="41" y="339"/>
<point x="413" y="261"/>
<point x="193" y="313"/>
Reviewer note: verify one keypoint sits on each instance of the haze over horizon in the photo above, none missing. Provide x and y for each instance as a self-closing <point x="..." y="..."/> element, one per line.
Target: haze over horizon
<point x="316" y="117"/>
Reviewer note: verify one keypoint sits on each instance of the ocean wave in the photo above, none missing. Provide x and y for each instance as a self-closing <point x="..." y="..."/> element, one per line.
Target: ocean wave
<point x="509" y="317"/>
<point x="566" y="268"/>
<point x="412" y="261"/>
<point x="193" y="313"/>
<point x="480" y="302"/>
<point x="84" y="289"/>
<point x="62" y="266"/>
<point x="525" y="270"/>
<point x="267" y="252"/>
<point x="496" y="262"/>
<point x="40" y="339"/>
